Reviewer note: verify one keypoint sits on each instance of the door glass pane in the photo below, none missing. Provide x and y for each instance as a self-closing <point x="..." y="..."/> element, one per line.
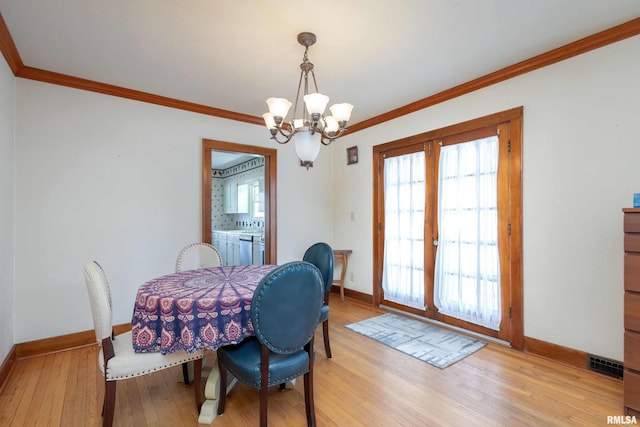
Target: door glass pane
<point x="467" y="279"/>
<point x="404" y="199"/>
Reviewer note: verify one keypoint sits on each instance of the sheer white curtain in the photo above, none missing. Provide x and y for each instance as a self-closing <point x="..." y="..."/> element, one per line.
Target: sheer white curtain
<point x="467" y="271"/>
<point x="404" y="198"/>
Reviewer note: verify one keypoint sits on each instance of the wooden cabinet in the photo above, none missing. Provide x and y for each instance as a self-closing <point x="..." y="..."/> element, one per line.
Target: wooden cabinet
<point x="631" y="311"/>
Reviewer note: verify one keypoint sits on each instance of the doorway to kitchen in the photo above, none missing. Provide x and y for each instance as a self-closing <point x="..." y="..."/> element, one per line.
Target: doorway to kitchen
<point x="210" y="149"/>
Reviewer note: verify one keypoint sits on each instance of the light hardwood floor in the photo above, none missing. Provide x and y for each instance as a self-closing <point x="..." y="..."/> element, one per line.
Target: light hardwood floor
<point x="364" y="384"/>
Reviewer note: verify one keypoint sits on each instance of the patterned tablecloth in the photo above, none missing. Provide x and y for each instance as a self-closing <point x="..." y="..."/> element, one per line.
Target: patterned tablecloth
<point x="196" y="309"/>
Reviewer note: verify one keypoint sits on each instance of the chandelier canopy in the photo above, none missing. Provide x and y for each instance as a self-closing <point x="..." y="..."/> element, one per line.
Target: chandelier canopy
<point x="311" y="127"/>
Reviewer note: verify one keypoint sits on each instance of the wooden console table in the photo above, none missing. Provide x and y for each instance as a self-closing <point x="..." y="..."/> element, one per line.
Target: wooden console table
<point x="342" y="256"/>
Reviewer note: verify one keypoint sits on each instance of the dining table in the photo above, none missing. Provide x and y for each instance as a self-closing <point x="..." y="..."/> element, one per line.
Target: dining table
<point x="197" y="309"/>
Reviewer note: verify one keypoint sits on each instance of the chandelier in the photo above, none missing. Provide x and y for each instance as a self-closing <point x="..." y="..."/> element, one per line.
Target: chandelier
<point x="311" y="127"/>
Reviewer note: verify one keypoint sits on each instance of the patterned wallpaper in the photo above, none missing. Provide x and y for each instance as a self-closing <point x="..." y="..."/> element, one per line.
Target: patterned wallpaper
<point x="253" y="168"/>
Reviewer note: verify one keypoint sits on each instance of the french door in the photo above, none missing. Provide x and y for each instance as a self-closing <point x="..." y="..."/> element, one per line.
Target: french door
<point x="447" y="240"/>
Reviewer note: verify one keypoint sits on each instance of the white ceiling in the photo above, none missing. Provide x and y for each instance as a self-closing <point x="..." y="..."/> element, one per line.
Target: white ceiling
<point x="233" y="54"/>
<point x="222" y="159"/>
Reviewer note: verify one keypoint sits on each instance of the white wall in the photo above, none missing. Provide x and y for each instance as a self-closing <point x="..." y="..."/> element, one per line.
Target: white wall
<point x="7" y="310"/>
<point x="118" y="181"/>
<point x="581" y="156"/>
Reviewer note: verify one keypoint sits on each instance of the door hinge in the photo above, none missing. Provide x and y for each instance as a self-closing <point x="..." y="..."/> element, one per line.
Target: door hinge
<point x="509" y="312"/>
<point x="379" y="226"/>
<point x="509" y="229"/>
<point x="509" y="146"/>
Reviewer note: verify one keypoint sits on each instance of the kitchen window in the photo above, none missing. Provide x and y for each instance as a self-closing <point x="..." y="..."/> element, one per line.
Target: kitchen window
<point x="257" y="199"/>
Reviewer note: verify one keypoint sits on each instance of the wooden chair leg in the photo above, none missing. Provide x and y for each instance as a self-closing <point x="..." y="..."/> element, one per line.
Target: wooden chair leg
<point x="185" y="372"/>
<point x="325" y="335"/>
<point x="264" y="390"/>
<point x="109" y="403"/>
<point x="264" y="384"/>
<point x="308" y="390"/>
<point x="197" y="382"/>
<point x="308" y="400"/>
<point x="222" y="398"/>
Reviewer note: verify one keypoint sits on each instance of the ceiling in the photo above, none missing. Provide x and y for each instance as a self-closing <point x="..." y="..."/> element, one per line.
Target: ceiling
<point x="222" y="160"/>
<point x="233" y="54"/>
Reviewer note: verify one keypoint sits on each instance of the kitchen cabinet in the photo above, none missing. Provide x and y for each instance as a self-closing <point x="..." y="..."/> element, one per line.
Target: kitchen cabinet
<point x="233" y="249"/>
<point x="222" y="246"/>
<point x="215" y="240"/>
<point x="236" y="197"/>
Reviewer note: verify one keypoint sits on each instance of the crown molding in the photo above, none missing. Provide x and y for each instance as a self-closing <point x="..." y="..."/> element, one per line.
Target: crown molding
<point x="107" y="89"/>
<point x="8" y="48"/>
<point x="595" y="41"/>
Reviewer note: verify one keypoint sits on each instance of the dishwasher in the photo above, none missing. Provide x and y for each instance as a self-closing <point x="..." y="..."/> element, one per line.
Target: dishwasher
<point x="246" y="249"/>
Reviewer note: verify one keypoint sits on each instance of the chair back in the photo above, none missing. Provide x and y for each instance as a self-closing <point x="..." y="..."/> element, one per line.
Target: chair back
<point x="100" y="299"/>
<point x="198" y="255"/>
<point x="321" y="255"/>
<point x="286" y="307"/>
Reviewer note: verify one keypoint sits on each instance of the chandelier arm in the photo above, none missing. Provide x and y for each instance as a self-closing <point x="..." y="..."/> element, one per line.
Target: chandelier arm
<point x="287" y="137"/>
<point x="335" y="136"/>
<point x="295" y="106"/>
<point x="289" y="134"/>
<point x="326" y="141"/>
<point x="315" y="83"/>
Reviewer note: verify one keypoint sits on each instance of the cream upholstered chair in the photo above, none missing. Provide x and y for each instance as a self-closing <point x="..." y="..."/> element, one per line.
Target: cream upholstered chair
<point x="191" y="257"/>
<point x="198" y="255"/>
<point x="117" y="359"/>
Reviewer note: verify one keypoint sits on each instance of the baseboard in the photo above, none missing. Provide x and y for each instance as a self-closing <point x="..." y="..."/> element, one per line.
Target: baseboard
<point x="356" y="295"/>
<point x="557" y="353"/>
<point x="7" y="366"/>
<point x="61" y="343"/>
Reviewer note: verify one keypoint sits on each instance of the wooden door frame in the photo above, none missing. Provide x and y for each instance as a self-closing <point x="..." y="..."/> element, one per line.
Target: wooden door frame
<point x="270" y="164"/>
<point x="514" y="118"/>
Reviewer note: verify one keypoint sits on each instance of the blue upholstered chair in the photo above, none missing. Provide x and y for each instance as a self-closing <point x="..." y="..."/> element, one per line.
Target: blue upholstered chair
<point x="321" y="255"/>
<point x="285" y="311"/>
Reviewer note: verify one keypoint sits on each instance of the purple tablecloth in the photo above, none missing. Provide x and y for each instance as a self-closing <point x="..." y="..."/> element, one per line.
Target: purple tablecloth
<point x="196" y="309"/>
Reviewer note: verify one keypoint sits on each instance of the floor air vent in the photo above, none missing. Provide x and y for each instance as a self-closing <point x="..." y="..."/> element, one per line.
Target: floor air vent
<point x="606" y="367"/>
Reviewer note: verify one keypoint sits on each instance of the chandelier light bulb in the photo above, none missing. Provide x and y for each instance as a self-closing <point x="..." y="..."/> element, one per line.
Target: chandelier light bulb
<point x="269" y="121"/>
<point x="341" y="112"/>
<point x="278" y="107"/>
<point x="331" y="125"/>
<point x="307" y="145"/>
<point x="316" y="103"/>
<point x="298" y="124"/>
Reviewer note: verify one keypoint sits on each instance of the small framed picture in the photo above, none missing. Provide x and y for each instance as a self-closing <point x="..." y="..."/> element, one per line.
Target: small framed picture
<point x="352" y="155"/>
